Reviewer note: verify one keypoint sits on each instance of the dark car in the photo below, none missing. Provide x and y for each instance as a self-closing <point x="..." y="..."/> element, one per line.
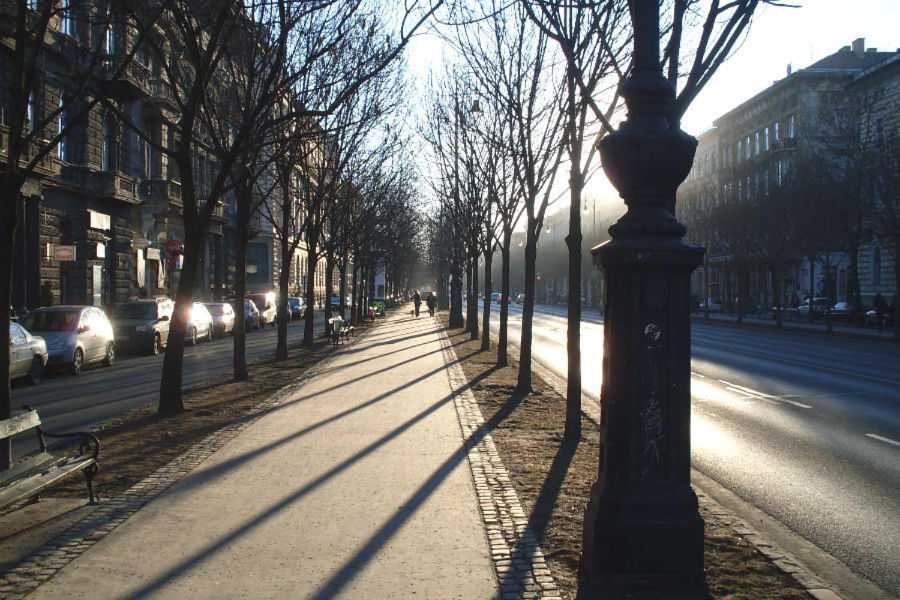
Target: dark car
<point x="143" y="325"/>
<point x="820" y="306"/>
<point x="295" y="307"/>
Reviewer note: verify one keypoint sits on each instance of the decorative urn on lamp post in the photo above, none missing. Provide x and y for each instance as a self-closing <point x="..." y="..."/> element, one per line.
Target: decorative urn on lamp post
<point x="642" y="522"/>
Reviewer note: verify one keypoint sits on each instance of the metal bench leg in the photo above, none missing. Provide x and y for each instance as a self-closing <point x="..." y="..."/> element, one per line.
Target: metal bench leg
<point x="89" y="473"/>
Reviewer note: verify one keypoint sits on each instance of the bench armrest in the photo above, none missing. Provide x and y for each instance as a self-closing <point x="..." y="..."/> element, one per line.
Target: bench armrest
<point x="89" y="441"/>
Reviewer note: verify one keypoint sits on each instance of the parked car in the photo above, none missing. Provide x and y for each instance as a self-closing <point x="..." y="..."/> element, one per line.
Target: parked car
<point x="222" y="317"/>
<point x="378" y="305"/>
<point x="520" y="298"/>
<point x="265" y="302"/>
<point x="198" y="324"/>
<point x="887" y="318"/>
<point x="27" y="354"/>
<point x="76" y="336"/>
<point x="714" y="305"/>
<point x="819" y="306"/>
<point x="295" y="307"/>
<point x="143" y="324"/>
<point x="495" y="297"/>
<point x="251" y="315"/>
<point x="841" y="311"/>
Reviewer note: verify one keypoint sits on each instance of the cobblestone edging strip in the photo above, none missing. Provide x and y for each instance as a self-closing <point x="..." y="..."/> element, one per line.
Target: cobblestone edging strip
<point x="785" y="562"/>
<point x="41" y="565"/>
<point x="518" y="559"/>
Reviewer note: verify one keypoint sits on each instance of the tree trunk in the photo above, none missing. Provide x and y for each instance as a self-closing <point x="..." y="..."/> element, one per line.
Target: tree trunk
<point x="239" y="338"/>
<point x="343" y="285"/>
<point x="739" y="272"/>
<point x="8" y="226"/>
<point x="503" y="334"/>
<point x="355" y="312"/>
<point x="170" y="393"/>
<point x="473" y="323"/>
<point x="523" y="385"/>
<point x="897" y="288"/>
<point x="309" y="317"/>
<point x="705" y="298"/>
<point x="812" y="288"/>
<point x="329" y="289"/>
<point x="573" y="332"/>
<point x="776" y="291"/>
<point x="284" y="315"/>
<point x="486" y="318"/>
<point x="456" y="315"/>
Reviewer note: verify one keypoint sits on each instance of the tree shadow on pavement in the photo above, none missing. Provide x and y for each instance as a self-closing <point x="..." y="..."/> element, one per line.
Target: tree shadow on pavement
<point x="385" y="532"/>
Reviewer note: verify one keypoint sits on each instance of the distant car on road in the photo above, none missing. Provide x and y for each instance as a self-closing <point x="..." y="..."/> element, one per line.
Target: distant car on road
<point x="265" y="302"/>
<point x="819" y="306"/>
<point x="222" y="317"/>
<point x="198" y="324"/>
<point x="520" y="298"/>
<point x="378" y="305"/>
<point x="495" y="297"/>
<point x="887" y="318"/>
<point x="76" y="336"/>
<point x="143" y="324"/>
<point x="27" y="354"/>
<point x="251" y="315"/>
<point x="841" y="311"/>
<point x="295" y="307"/>
<point x="714" y="305"/>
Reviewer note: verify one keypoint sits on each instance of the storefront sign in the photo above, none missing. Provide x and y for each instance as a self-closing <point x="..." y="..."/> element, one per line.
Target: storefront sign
<point x="101" y="250"/>
<point x="152" y="253"/>
<point x="64" y="253"/>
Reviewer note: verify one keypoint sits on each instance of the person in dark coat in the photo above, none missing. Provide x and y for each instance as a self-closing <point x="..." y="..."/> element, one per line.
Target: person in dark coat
<point x="417" y="301"/>
<point x="432" y="302"/>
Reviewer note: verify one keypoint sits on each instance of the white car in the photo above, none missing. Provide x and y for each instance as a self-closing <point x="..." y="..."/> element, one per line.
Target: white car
<point x="27" y="354"/>
<point x="198" y="324"/>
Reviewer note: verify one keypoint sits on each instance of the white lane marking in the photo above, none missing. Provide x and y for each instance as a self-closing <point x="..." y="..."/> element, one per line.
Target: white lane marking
<point x="794" y="402"/>
<point x="767" y="397"/>
<point x="725" y="382"/>
<point x="698" y="375"/>
<point x="883" y="439"/>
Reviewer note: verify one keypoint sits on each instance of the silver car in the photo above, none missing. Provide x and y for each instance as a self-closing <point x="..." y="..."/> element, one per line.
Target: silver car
<point x="223" y="317"/>
<point x="27" y="354"/>
<point x="198" y="324"/>
<point x="76" y="335"/>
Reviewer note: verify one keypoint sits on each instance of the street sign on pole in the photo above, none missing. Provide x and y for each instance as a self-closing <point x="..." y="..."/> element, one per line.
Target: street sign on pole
<point x="64" y="253"/>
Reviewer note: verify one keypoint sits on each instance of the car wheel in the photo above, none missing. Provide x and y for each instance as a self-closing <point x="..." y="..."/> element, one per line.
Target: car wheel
<point x="157" y="345"/>
<point x="36" y="372"/>
<point x="193" y="336"/>
<point x="110" y="358"/>
<point x="77" y="361"/>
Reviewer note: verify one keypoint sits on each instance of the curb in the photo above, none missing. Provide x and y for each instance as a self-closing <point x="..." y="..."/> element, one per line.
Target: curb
<point x="854" y="335"/>
<point x="517" y="558"/>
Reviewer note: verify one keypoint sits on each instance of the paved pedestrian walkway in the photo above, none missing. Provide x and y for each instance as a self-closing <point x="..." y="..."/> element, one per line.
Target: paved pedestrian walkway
<point x="343" y="490"/>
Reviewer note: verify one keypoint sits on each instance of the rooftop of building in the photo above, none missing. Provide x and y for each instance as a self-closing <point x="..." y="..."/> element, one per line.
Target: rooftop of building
<point x="849" y="61"/>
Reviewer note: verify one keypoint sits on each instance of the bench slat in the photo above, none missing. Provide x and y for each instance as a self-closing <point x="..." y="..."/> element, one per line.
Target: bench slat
<point x="19" y="423"/>
<point x="26" y="465"/>
<point x="34" y="484"/>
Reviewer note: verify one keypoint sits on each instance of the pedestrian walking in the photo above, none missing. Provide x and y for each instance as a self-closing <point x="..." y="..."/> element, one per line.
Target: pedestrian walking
<point x="417" y="301"/>
<point x="431" y="301"/>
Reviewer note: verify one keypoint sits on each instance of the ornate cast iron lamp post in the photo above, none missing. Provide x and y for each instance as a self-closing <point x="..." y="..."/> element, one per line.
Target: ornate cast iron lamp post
<point x="642" y="520"/>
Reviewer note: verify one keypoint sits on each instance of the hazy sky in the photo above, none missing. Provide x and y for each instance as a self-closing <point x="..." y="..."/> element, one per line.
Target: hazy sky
<point x="778" y="36"/>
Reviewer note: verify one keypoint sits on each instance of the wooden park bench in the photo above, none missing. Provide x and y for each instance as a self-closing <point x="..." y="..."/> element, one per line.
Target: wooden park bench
<point x="38" y="471"/>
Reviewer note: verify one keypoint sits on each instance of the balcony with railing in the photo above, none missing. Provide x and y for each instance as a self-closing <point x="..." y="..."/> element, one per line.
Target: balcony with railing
<point x="125" y="78"/>
<point x="161" y="93"/>
<point x="45" y="166"/>
<point x="166" y="193"/>
<point x="104" y="184"/>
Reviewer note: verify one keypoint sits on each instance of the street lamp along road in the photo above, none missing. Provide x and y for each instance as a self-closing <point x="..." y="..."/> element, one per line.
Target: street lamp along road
<point x="642" y="522"/>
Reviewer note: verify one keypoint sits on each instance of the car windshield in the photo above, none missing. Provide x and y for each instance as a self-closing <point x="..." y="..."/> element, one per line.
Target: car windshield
<point x="294" y="301"/>
<point x="259" y="300"/>
<point x="137" y="310"/>
<point x="215" y="309"/>
<point x="52" y="320"/>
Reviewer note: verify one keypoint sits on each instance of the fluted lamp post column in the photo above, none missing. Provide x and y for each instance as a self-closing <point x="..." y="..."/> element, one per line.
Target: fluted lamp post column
<point x="642" y="522"/>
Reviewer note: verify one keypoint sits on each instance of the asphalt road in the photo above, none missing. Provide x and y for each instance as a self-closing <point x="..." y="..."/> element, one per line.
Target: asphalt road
<point x="68" y="403"/>
<point x="804" y="427"/>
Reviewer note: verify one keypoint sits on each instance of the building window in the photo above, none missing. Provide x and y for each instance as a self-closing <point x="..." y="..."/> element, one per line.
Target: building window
<point x="779" y="172"/>
<point x="110" y="40"/>
<point x="766" y="140"/>
<point x="777" y="128"/>
<point x="62" y="149"/>
<point x="747" y="147"/>
<point x="792" y="127"/>
<point x="737" y="152"/>
<point x="30" y="112"/>
<point x="67" y="23"/>
<point x="756" y="143"/>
